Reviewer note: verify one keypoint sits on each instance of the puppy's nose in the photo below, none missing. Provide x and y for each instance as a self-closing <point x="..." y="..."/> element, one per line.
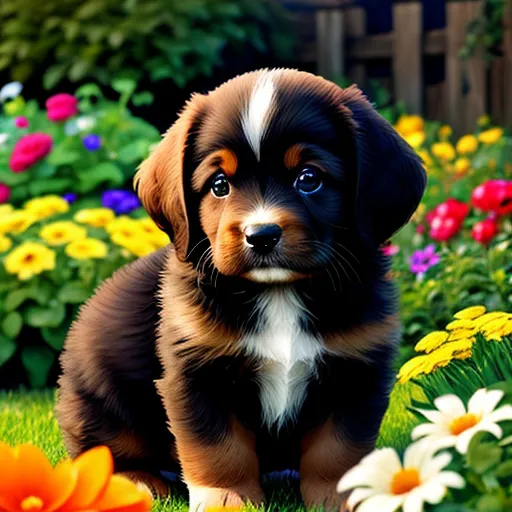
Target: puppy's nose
<point x="262" y="238"/>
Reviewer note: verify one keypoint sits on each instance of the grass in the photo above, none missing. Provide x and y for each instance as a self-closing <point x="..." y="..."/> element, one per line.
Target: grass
<point x="28" y="417"/>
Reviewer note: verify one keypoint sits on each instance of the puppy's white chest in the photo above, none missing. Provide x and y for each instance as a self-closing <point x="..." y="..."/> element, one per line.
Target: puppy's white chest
<point x="288" y="355"/>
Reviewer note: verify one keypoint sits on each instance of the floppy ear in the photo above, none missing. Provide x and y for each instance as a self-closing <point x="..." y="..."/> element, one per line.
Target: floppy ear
<point x="390" y="176"/>
<point x="159" y="181"/>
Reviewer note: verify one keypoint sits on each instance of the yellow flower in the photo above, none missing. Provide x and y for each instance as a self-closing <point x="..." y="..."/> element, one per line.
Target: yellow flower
<point x="489" y="317"/>
<point x="29" y="259"/>
<point x="467" y="144"/>
<point x="137" y="246"/>
<point x="5" y="209"/>
<point x="86" y="249"/>
<point x="412" y="368"/>
<point x="96" y="217"/>
<point x="462" y="323"/>
<point x="490" y="136"/>
<point x="153" y="233"/>
<point x="63" y="232"/>
<point x="483" y="120"/>
<point x="417" y="216"/>
<point x="431" y="341"/>
<point x="16" y="222"/>
<point x="462" y="165"/>
<point x="425" y="156"/>
<point x="460" y="334"/>
<point x="443" y="151"/>
<point x="5" y="243"/>
<point x="470" y="313"/>
<point x="445" y="132"/>
<point x="42" y="207"/>
<point x="409" y="124"/>
<point x="14" y="106"/>
<point x="129" y="228"/>
<point x="415" y="139"/>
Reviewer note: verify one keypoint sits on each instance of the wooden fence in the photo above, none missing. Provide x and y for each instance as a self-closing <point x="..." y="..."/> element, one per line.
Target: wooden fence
<point x="333" y="41"/>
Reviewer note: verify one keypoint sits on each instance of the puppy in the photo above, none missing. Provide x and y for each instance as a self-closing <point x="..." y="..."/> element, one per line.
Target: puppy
<point x="263" y="338"/>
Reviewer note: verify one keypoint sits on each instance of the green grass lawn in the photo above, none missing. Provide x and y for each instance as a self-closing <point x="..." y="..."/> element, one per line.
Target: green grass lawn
<point x="28" y="417"/>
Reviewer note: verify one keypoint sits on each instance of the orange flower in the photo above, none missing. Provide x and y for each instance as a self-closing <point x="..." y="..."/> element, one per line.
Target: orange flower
<point x="28" y="483"/>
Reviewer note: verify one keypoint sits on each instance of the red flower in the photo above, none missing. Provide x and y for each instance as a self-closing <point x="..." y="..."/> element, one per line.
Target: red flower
<point x="442" y="229"/>
<point x="21" y="122"/>
<point x="493" y="196"/>
<point x="61" y="107"/>
<point x="5" y="193"/>
<point x="28" y="150"/>
<point x="450" y="209"/>
<point x="484" y="231"/>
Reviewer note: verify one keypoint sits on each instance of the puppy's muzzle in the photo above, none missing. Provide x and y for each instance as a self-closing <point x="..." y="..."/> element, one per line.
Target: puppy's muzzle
<point x="262" y="238"/>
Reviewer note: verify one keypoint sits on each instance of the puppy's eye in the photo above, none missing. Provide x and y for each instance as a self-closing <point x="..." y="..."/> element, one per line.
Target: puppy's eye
<point x="220" y="186"/>
<point x="308" y="180"/>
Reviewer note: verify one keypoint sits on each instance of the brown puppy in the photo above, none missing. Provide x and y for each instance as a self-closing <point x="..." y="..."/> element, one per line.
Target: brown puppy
<point x="263" y="338"/>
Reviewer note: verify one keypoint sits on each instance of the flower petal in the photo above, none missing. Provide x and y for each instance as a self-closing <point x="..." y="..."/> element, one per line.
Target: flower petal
<point x="122" y="494"/>
<point x="63" y="483"/>
<point x="433" y="492"/>
<point x="94" y="469"/>
<point x="413" y="501"/>
<point x="465" y="438"/>
<point x="428" y="429"/>
<point x="432" y="467"/>
<point x="382" y="503"/>
<point x="358" y="495"/>
<point x="451" y="479"/>
<point x="451" y="406"/>
<point x="477" y="402"/>
<point x="431" y="415"/>
<point x="501" y="414"/>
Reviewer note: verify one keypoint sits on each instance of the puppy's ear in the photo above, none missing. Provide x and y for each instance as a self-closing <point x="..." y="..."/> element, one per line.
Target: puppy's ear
<point x="159" y="181"/>
<point x="391" y="179"/>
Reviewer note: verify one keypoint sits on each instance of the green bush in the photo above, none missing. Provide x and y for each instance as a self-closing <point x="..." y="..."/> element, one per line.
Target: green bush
<point x="73" y="164"/>
<point x="157" y="39"/>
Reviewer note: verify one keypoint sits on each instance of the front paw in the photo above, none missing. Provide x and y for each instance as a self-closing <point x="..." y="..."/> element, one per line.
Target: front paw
<point x="208" y="499"/>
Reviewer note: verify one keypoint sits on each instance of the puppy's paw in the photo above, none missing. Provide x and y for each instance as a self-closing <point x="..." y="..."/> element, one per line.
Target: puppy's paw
<point x="208" y="499"/>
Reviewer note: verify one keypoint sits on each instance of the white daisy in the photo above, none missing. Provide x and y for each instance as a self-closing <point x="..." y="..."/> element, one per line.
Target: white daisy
<point x="10" y="91"/>
<point x="381" y="482"/>
<point x="453" y="425"/>
<point x="3" y="138"/>
<point x="84" y="123"/>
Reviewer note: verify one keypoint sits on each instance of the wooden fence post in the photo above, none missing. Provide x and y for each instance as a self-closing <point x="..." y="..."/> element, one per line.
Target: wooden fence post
<point x="408" y="55"/>
<point x="330" y="43"/>
<point x="355" y="26"/>
<point x="507" y="65"/>
<point x="466" y="80"/>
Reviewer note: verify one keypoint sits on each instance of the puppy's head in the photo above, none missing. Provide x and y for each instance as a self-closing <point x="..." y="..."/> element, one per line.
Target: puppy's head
<point x="272" y="175"/>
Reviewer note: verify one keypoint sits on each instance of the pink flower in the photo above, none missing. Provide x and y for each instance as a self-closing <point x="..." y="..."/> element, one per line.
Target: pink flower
<point x="28" y="150"/>
<point x="61" y="107"/>
<point x="390" y="250"/>
<point x="5" y="193"/>
<point x="21" y="122"/>
<point x="484" y="231"/>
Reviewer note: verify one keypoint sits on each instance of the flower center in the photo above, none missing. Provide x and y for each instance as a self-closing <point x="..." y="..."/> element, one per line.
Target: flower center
<point x="32" y="503"/>
<point x="29" y="258"/>
<point x="405" y="480"/>
<point x="463" y="423"/>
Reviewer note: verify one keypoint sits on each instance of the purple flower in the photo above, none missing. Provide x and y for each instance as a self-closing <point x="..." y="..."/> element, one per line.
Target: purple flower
<point x="70" y="198"/>
<point x="422" y="260"/>
<point x="121" y="201"/>
<point x="92" y="142"/>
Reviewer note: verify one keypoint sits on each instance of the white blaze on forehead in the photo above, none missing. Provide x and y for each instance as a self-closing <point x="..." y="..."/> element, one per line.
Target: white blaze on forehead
<point x="257" y="115"/>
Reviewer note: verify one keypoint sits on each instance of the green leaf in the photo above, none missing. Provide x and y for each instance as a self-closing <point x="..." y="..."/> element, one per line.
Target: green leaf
<point x="133" y="152"/>
<point x="504" y="470"/>
<point x="73" y="292"/>
<point x="489" y="503"/>
<point x="38" y="362"/>
<point x="16" y="298"/>
<point x="483" y="456"/>
<point x="105" y="172"/>
<point x="62" y="155"/>
<point x="49" y="316"/>
<point x="124" y="85"/>
<point x="142" y="98"/>
<point x="53" y="75"/>
<point x="14" y="179"/>
<point x="12" y="324"/>
<point x="49" y="186"/>
<point x="44" y="170"/>
<point x="56" y="336"/>
<point x="88" y="91"/>
<point x="7" y="349"/>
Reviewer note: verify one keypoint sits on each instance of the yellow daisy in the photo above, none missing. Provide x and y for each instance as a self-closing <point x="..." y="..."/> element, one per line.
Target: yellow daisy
<point x="460" y="324"/>
<point x="96" y="217"/>
<point x="470" y="313"/>
<point x="415" y="139"/>
<point x="409" y="124"/>
<point x="483" y="120"/>
<point x="462" y="165"/>
<point x="412" y="368"/>
<point x="42" y="207"/>
<point x="16" y="222"/>
<point x="425" y="156"/>
<point x="431" y="341"/>
<point x="490" y="136"/>
<point x="63" y="232"/>
<point x="29" y="259"/>
<point x="86" y="249"/>
<point x="5" y="209"/>
<point x="5" y="243"/>
<point x="445" y="132"/>
<point x="489" y="317"/>
<point x="443" y="151"/>
<point x="153" y="233"/>
<point x="467" y="144"/>
<point x="137" y="246"/>
<point x="129" y="228"/>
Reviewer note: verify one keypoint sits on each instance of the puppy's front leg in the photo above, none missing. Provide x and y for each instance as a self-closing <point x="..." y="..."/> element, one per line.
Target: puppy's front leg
<point x="217" y="454"/>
